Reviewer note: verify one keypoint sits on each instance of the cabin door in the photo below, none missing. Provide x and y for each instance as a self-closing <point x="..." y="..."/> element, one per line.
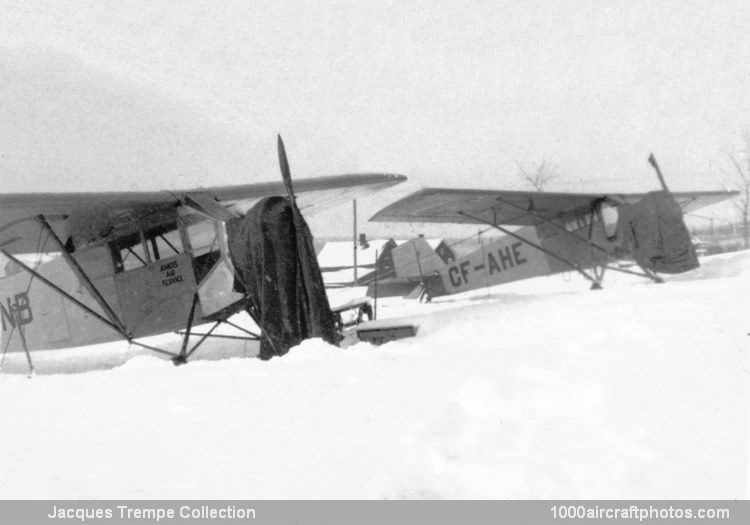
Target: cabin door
<point x="212" y="267"/>
<point x="154" y="280"/>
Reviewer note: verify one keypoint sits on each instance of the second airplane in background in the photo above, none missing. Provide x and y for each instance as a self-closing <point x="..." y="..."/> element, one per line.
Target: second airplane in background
<point x="584" y="232"/>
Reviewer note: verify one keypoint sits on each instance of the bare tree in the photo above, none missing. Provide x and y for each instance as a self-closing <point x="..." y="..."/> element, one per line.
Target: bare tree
<point x="739" y="179"/>
<point x="538" y="176"/>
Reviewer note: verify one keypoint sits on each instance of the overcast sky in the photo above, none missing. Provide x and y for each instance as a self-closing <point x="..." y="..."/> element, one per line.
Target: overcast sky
<point x="449" y="93"/>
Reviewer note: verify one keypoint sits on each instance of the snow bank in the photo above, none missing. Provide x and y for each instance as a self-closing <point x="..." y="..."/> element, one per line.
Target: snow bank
<point x="635" y="391"/>
<point x="732" y="264"/>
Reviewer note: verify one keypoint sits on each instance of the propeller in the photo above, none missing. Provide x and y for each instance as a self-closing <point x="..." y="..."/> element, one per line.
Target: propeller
<point x="285" y="172"/>
<point x="652" y="161"/>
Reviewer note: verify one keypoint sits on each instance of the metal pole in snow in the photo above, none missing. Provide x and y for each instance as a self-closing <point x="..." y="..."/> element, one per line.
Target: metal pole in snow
<point x="484" y="262"/>
<point x="375" y="314"/>
<point x="354" y="244"/>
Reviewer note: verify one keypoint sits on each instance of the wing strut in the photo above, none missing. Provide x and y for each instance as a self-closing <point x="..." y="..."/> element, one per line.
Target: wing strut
<point x="583" y="239"/>
<point x="81" y="274"/>
<point x="64" y="293"/>
<point x="595" y="285"/>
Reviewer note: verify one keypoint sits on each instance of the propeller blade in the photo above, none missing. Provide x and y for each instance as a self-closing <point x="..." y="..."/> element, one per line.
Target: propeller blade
<point x="285" y="171"/>
<point x="652" y="161"/>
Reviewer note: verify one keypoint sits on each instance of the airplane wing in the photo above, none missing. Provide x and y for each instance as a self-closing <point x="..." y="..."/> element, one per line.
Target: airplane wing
<point x="87" y="217"/>
<point x="516" y="207"/>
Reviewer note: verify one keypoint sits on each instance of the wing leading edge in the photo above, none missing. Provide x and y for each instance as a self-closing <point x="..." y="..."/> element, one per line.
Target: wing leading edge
<point x="92" y="216"/>
<point x="514" y="208"/>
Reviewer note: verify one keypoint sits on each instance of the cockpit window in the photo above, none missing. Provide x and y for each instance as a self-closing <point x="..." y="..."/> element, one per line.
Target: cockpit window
<point x="609" y="217"/>
<point x="203" y="235"/>
<point x="164" y="241"/>
<point x="128" y="252"/>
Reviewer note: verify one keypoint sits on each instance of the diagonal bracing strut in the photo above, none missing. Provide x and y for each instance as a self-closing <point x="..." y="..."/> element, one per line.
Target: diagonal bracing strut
<point x="65" y="294"/>
<point x="580" y="238"/>
<point x="81" y="274"/>
<point x="536" y="246"/>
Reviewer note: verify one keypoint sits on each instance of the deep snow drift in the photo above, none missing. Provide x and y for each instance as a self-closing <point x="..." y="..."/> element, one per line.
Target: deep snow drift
<point x="537" y="389"/>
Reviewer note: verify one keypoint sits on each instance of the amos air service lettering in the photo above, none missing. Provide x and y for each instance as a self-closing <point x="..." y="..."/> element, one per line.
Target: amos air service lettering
<point x="169" y="273"/>
<point x="503" y="260"/>
<point x="16" y="311"/>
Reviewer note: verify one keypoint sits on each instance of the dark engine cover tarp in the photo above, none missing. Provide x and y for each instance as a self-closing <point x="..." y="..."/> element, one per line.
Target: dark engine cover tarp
<point x="655" y="231"/>
<point x="272" y="251"/>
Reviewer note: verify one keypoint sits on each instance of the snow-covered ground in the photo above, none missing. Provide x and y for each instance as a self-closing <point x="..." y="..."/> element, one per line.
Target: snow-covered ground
<point x="536" y="389"/>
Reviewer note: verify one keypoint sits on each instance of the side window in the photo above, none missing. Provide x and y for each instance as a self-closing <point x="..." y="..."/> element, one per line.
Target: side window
<point x="203" y="236"/>
<point x="609" y="216"/>
<point x="8" y="267"/>
<point x="128" y="253"/>
<point x="164" y="241"/>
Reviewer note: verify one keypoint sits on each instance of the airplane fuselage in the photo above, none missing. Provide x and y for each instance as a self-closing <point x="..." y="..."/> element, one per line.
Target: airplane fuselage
<point x="148" y="277"/>
<point x="531" y="251"/>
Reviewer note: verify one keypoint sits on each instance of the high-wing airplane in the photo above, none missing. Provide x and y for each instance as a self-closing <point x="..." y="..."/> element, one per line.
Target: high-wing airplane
<point x="583" y="232"/>
<point x="125" y="265"/>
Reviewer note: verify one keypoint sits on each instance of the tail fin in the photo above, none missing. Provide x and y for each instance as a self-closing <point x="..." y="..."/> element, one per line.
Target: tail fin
<point x="416" y="258"/>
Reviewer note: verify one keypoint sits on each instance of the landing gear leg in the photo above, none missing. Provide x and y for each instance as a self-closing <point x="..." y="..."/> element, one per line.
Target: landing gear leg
<point x="181" y="359"/>
<point x="21" y="333"/>
<point x="652" y="275"/>
<point x="598" y="277"/>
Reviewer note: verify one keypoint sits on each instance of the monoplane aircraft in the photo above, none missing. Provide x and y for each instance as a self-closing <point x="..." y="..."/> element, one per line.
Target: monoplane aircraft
<point x="584" y="232"/>
<point x="126" y="265"/>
